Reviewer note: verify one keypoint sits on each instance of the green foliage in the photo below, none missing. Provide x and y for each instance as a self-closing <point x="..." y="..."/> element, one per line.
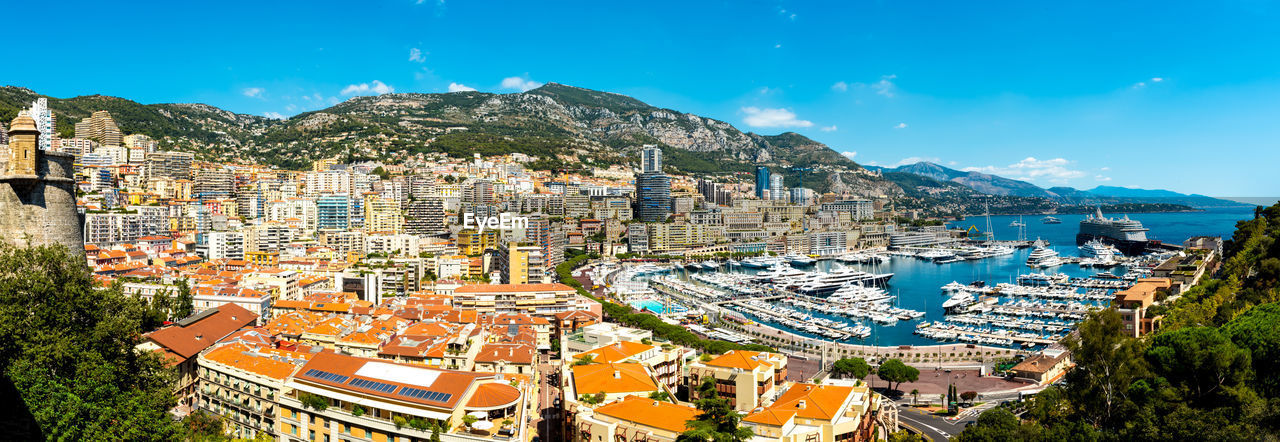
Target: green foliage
<point x="585" y="360"/>
<point x="381" y="173"/>
<point x="660" y="395"/>
<point x="68" y="348"/>
<point x="904" y="436"/>
<point x="895" y="372"/>
<point x="357" y="411"/>
<point x="716" y="421"/>
<point x="851" y="367"/>
<point x="1258" y="331"/>
<point x="184" y="304"/>
<point x="203" y="425"/>
<point x="313" y="401"/>
<point x="399" y="421"/>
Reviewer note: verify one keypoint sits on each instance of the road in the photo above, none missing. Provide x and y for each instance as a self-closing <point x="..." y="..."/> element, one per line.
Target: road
<point x="549" y="419"/>
<point x="936" y="428"/>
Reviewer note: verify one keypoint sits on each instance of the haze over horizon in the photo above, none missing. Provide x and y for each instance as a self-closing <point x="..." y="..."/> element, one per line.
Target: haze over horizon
<point x="1076" y="94"/>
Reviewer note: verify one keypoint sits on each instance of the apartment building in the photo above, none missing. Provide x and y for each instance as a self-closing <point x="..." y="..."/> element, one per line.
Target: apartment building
<point x="747" y="378"/>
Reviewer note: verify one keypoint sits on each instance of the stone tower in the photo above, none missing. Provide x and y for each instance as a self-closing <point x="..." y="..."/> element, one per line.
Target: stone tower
<point x="37" y="192"/>
<point x="23" y="140"/>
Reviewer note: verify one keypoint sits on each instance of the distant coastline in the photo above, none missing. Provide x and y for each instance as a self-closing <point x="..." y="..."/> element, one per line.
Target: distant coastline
<point x="1254" y="200"/>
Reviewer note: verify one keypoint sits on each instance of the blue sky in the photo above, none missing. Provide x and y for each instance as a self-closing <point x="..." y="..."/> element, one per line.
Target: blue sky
<point x="1176" y="95"/>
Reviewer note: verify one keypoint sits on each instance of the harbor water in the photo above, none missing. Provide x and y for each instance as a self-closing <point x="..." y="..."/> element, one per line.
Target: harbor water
<point x="917" y="282"/>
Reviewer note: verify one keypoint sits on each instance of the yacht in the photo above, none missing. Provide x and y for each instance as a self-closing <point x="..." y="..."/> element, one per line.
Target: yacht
<point x="954" y="286"/>
<point x="1097" y="248"/>
<point x="1042" y="256"/>
<point x="761" y="262"/>
<point x="1018" y="223"/>
<point x="1050" y="220"/>
<point x="650" y="269"/>
<point x="956" y="301"/>
<point x="826" y="283"/>
<point x="710" y="265"/>
<point x="779" y="271"/>
<point x="800" y="260"/>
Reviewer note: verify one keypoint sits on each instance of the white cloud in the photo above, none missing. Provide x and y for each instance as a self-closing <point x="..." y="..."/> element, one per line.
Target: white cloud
<point x="780" y="117"/>
<point x="1156" y="79"/>
<point x="913" y="160"/>
<point x="777" y="46"/>
<point x="1139" y="85"/>
<point x="831" y="128"/>
<point x="840" y="86"/>
<point x="1102" y="178"/>
<point x="1053" y="170"/>
<point x="1104" y="168"/>
<point x="900" y="126"/>
<point x="849" y="154"/>
<point x="274" y="115"/>
<point x="885" y="86"/>
<point x="459" y="87"/>
<point x="252" y="92"/>
<point x="519" y="83"/>
<point x="416" y="55"/>
<point x="375" y="88"/>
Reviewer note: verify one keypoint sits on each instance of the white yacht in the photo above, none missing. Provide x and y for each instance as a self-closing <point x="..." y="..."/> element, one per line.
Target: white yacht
<point x="1097" y="249"/>
<point x="826" y="283"/>
<point x="954" y="286"/>
<point x="960" y="299"/>
<point x="800" y="260"/>
<point x="1043" y="257"/>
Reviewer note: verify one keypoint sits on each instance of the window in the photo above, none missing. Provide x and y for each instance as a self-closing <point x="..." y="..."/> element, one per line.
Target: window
<point x="313" y="434"/>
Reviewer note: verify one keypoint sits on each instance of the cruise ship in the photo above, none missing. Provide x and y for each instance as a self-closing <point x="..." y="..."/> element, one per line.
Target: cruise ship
<point x="1127" y="235"/>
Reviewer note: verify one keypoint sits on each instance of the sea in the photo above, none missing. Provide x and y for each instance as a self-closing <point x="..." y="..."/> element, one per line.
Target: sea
<point x="917" y="283"/>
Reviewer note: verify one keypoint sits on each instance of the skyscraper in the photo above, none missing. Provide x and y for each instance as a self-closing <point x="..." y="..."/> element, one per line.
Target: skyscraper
<point x="762" y="182"/>
<point x="653" y="196"/>
<point x="651" y="159"/>
<point x="776" y="190"/>
<point x="44" y="122"/>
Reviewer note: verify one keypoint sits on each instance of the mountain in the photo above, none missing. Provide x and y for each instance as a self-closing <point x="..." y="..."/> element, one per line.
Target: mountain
<point x="981" y="182"/>
<point x="566" y="127"/>
<point x="1126" y="192"/>
<point x="1101" y="195"/>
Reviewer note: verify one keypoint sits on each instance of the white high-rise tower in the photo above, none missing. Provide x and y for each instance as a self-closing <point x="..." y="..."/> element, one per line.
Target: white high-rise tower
<point x="44" y="122"/>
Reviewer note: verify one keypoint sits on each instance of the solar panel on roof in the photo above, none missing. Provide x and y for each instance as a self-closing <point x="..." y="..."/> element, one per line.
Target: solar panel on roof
<point x="372" y="385"/>
<point x="321" y="374"/>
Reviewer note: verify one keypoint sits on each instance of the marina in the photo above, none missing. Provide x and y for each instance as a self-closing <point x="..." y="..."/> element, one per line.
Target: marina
<point x="968" y="292"/>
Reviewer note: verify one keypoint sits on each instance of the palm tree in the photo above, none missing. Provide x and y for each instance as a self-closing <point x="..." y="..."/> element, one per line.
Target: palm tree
<point x="915" y="394"/>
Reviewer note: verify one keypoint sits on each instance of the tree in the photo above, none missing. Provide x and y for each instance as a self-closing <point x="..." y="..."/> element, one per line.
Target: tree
<point x="904" y="436"/>
<point x="184" y="304"/>
<point x="469" y="420"/>
<point x="585" y="360"/>
<point x="203" y="425"/>
<point x="1107" y="363"/>
<point x="895" y="372"/>
<point x="996" y="424"/>
<point x="855" y="367"/>
<point x="660" y="395"/>
<point x="313" y="401"/>
<point x="717" y="420"/>
<point x="915" y="395"/>
<point x="969" y="396"/>
<point x="67" y="347"/>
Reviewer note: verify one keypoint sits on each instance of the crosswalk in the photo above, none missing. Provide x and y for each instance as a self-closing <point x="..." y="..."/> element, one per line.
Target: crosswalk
<point x="974" y="411"/>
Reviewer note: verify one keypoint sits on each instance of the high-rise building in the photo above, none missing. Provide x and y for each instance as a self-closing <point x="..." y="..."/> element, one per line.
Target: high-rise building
<point x="176" y="165"/>
<point x="651" y="159"/>
<point x="333" y="212"/>
<point x="776" y="190"/>
<point x="762" y="182"/>
<point x="140" y="141"/>
<point x="549" y="237"/>
<point x="382" y="215"/>
<point x="45" y="123"/>
<point x="425" y="217"/>
<point x="213" y="182"/>
<point x="101" y="128"/>
<point x="653" y="197"/>
<point x="522" y="264"/>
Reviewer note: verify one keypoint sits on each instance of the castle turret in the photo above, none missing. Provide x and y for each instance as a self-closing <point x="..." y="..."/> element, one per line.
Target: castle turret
<point x="37" y="192"/>
<point x="23" y="142"/>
